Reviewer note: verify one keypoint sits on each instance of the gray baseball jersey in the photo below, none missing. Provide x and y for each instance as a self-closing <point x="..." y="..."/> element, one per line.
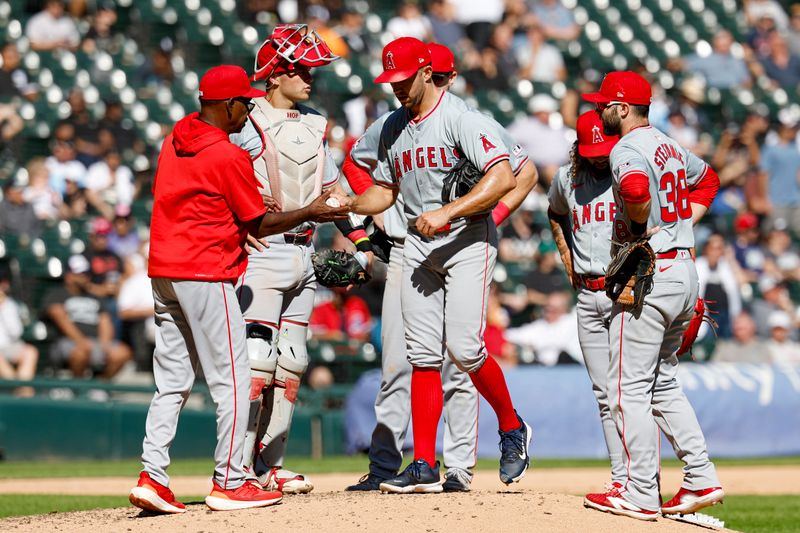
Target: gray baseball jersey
<point x="671" y="171"/>
<point x="589" y="204"/>
<point x="588" y="201"/>
<point x="643" y="364"/>
<point x="416" y="155"/>
<point x="391" y="404"/>
<point x="365" y="154"/>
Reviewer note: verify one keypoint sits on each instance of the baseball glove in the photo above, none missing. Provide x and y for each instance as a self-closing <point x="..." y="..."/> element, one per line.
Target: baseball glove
<point x="460" y="180"/>
<point x="690" y="334"/>
<point x="334" y="268"/>
<point x="629" y="277"/>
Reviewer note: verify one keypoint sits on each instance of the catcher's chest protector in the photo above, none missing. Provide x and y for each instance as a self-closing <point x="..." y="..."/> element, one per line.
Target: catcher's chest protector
<point x="291" y="166"/>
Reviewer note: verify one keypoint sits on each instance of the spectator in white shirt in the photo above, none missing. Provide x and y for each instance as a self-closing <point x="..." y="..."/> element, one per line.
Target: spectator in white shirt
<point x="52" y="28"/>
<point x="111" y="180"/>
<point x="46" y="202"/>
<point x="540" y="60"/>
<point x="17" y="358"/>
<point x="781" y="349"/>
<point x="410" y="22"/>
<point x="136" y="309"/>
<point x="552" y="338"/>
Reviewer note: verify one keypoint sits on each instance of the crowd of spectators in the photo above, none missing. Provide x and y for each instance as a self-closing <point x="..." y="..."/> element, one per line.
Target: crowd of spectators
<point x="100" y="314"/>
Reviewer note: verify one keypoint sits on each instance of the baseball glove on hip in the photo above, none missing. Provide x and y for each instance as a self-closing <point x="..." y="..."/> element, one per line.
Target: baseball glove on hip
<point x="334" y="268"/>
<point x="629" y="276"/>
<point x="460" y="180"/>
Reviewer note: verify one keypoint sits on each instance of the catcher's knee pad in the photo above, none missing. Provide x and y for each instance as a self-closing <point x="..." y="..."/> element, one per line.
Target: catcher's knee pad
<point x="263" y="356"/>
<point x="291" y="347"/>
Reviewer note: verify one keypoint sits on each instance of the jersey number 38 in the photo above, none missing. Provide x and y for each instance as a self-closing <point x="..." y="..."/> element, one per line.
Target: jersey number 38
<point x="674" y="193"/>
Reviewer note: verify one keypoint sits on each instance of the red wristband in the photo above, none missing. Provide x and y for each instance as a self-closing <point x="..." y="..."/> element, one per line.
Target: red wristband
<point x="500" y="213"/>
<point x="357" y="235"/>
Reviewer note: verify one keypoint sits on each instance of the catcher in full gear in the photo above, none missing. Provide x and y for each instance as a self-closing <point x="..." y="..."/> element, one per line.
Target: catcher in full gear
<point x="286" y="141"/>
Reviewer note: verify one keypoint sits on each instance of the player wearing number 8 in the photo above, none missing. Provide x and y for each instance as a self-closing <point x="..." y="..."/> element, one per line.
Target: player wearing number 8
<point x="661" y="187"/>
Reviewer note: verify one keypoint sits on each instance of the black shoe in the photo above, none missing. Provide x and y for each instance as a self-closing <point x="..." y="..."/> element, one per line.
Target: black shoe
<point x="456" y="480"/>
<point x="514" y="458"/>
<point x="367" y="482"/>
<point x="417" y="477"/>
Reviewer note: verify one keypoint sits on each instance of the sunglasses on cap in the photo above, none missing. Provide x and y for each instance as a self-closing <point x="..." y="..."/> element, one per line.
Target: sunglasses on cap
<point x="601" y="106"/>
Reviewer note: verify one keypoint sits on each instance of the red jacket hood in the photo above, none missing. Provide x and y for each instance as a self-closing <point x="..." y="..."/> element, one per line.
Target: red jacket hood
<point x="191" y="135"/>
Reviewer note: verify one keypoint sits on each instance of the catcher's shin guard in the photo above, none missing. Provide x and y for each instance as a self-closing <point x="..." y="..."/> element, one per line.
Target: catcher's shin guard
<point x="263" y="360"/>
<point x="292" y="363"/>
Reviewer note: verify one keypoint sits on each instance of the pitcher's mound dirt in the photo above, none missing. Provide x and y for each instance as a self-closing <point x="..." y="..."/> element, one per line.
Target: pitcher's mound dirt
<point x="335" y="512"/>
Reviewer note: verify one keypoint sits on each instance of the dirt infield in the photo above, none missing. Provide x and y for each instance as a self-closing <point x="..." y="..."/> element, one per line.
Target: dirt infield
<point x="342" y="512"/>
<point x="546" y="500"/>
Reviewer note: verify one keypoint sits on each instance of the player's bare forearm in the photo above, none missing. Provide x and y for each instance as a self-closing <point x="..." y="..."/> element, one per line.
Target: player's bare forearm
<point x="557" y="223"/>
<point x="527" y="178"/>
<point x="638" y="213"/>
<point x="698" y="212"/>
<point x="495" y="184"/>
<point x="374" y="200"/>
<point x="316" y="211"/>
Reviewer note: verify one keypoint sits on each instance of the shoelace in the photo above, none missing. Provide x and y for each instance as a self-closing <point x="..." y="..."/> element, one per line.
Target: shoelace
<point x="512" y="444"/>
<point x="415" y="469"/>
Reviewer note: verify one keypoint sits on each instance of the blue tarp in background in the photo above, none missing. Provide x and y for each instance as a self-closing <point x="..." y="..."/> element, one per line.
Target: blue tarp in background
<point x="745" y="410"/>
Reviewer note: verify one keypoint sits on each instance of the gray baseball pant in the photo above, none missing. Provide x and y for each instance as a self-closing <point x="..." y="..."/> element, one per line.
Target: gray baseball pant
<point x="198" y="322"/>
<point x="393" y="403"/>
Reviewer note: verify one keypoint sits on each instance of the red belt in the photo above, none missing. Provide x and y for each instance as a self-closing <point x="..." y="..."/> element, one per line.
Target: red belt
<point x="594" y="283"/>
<point x="298" y="238"/>
<point x="669" y="254"/>
<point x="473" y="218"/>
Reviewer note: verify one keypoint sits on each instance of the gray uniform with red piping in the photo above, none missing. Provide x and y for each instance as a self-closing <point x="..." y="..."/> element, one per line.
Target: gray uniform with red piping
<point x="446" y="277"/>
<point x="644" y="393"/>
<point x="391" y="405"/>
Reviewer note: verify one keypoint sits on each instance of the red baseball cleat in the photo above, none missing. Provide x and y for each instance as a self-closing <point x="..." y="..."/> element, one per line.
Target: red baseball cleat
<point x="690" y="501"/>
<point x="151" y="495"/>
<point x="247" y="496"/>
<point x="613" y="502"/>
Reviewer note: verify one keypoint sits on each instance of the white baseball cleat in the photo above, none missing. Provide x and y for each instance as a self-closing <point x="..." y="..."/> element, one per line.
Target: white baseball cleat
<point x="690" y="501"/>
<point x="613" y="502"/>
<point x="286" y="481"/>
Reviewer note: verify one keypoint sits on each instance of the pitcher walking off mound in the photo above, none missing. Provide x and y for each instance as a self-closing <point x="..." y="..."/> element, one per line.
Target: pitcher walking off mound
<point x="450" y="246"/>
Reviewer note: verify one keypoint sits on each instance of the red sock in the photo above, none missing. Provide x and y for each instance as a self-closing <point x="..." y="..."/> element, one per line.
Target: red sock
<point x="491" y="383"/>
<point x="426" y="410"/>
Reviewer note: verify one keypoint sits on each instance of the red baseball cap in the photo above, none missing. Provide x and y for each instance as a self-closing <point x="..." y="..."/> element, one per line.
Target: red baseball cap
<point x="442" y="59"/>
<point x="627" y="87"/>
<point x="745" y="221"/>
<point x="592" y="142"/>
<point x="402" y="58"/>
<point x="100" y="226"/>
<point x="227" y="81"/>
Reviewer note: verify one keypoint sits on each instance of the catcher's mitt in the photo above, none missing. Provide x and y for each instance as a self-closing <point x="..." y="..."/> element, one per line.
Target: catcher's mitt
<point x="334" y="268"/>
<point x="629" y="276"/>
<point x="460" y="180"/>
<point x="690" y="334"/>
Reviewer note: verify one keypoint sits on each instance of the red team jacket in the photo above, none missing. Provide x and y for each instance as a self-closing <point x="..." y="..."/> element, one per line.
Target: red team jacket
<point x="204" y="192"/>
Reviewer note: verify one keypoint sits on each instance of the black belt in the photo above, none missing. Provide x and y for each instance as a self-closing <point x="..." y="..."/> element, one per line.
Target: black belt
<point x="297" y="238"/>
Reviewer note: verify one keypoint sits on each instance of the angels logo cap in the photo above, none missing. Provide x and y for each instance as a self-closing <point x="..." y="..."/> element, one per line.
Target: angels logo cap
<point x="402" y="58"/>
<point x="627" y="87"/>
<point x="592" y="142"/>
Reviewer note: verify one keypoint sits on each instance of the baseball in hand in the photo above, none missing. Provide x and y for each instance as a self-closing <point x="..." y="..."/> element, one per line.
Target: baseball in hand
<point x="332" y="202"/>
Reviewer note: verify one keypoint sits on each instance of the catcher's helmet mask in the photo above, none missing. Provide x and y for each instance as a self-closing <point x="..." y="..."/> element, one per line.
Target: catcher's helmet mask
<point x="290" y="45"/>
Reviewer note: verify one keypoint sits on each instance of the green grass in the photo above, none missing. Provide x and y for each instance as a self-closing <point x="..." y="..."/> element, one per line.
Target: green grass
<point x="21" y="504"/>
<point x="356" y="464"/>
<point x="759" y="514"/>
